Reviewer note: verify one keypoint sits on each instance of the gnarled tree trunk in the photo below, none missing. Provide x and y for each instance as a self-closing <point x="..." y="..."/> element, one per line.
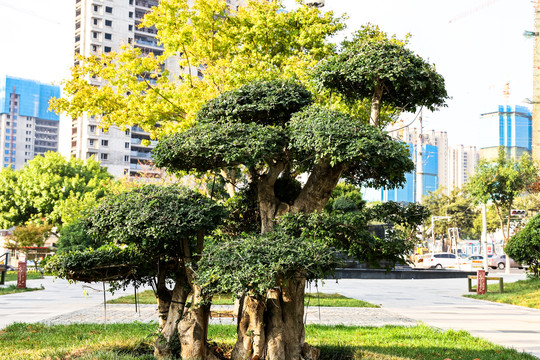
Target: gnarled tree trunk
<point x="273" y="329"/>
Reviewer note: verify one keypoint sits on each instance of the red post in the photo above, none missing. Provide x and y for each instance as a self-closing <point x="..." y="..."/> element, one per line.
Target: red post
<point x="481" y="286"/>
<point x="21" y="275"/>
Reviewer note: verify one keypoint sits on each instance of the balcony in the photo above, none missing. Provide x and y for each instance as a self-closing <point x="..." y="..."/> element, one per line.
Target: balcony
<point x="148" y="4"/>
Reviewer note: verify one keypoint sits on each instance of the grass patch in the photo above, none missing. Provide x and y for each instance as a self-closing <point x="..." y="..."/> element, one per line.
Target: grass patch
<point x="30" y="275"/>
<point x="12" y="289"/>
<point x="523" y="293"/>
<point x="311" y="299"/>
<point x="132" y="341"/>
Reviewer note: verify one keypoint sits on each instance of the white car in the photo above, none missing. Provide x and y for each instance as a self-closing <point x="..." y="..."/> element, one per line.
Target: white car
<point x="440" y="260"/>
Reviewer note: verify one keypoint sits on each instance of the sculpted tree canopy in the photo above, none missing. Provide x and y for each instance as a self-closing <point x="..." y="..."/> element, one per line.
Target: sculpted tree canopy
<point x="381" y="70"/>
<point x="280" y="137"/>
<point x="208" y="49"/>
<point x="50" y="189"/>
<point x="152" y="235"/>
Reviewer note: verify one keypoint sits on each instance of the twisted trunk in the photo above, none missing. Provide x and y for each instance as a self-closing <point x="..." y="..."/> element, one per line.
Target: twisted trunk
<point x="273" y="328"/>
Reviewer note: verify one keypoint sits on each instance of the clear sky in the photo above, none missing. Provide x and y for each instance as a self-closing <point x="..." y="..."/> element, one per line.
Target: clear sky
<point x="477" y="45"/>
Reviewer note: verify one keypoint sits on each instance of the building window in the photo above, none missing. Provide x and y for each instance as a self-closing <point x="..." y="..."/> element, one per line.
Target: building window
<point x="126" y="158"/>
<point x="130" y="27"/>
<point x="104" y="142"/>
<point x="131" y="14"/>
<point x="28" y="132"/>
<point x="6" y="159"/>
<point x="92" y="128"/>
<point x="104" y="156"/>
<point x="108" y="9"/>
<point x="108" y="36"/>
<point x="7" y="138"/>
<point x="28" y="139"/>
<point x="14" y="131"/>
<point x="97" y="8"/>
<point x="107" y="49"/>
<point x="7" y="152"/>
<point x="126" y="145"/>
<point x="95" y="35"/>
<point x="127" y="132"/>
<point x="108" y="22"/>
<point x="8" y="131"/>
<point x="130" y="2"/>
<point x="91" y="142"/>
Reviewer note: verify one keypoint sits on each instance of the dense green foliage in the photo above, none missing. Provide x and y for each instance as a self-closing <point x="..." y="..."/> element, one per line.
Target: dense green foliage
<point x="146" y="230"/>
<point x="50" y="189"/>
<point x="370" y="157"/>
<point x="381" y="70"/>
<point x="223" y="139"/>
<point x="524" y="247"/>
<point x="253" y="263"/>
<point x="501" y="182"/>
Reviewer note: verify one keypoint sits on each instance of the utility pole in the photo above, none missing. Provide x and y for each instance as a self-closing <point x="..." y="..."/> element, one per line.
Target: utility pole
<point x="420" y="164"/>
<point x="536" y="86"/>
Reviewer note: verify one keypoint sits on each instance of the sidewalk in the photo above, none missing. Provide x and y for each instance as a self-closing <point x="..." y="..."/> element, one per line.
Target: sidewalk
<point x="58" y="298"/>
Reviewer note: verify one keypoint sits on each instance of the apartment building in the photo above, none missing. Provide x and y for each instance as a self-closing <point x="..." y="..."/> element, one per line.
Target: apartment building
<point x="462" y="164"/>
<point x="27" y="127"/>
<point x="102" y="26"/>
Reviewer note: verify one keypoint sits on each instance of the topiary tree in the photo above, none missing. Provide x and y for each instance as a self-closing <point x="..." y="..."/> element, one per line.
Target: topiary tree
<point x="154" y="235"/>
<point x="381" y="70"/>
<point x="280" y="136"/>
<point x="524" y="247"/>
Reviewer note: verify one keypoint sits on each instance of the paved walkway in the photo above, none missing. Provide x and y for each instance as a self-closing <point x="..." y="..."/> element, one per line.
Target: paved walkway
<point x="437" y="303"/>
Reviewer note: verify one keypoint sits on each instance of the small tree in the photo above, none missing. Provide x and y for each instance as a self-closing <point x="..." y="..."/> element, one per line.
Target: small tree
<point x="154" y="235"/>
<point x="524" y="247"/>
<point x="501" y="182"/>
<point x="28" y="236"/>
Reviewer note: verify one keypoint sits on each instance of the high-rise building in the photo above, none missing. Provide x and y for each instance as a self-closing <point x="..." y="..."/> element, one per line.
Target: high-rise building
<point x="462" y="164"/>
<point x="102" y="26"/>
<point x="510" y="126"/>
<point x="439" y="139"/>
<point x="27" y="127"/>
<point x="430" y="179"/>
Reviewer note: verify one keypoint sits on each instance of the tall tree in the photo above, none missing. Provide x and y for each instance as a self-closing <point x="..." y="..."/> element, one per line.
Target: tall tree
<point x="214" y="49"/>
<point x="49" y="190"/>
<point x="501" y="182"/>
<point x="268" y="129"/>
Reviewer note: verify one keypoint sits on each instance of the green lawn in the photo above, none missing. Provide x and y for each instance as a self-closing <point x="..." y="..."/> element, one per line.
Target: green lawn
<point x="133" y="341"/>
<point x="12" y="275"/>
<point x="12" y="289"/>
<point x="311" y="299"/>
<point x="522" y="293"/>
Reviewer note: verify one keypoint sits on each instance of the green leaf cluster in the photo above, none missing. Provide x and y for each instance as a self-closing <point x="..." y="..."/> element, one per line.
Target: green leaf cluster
<point x="50" y="189"/>
<point x="138" y="230"/>
<point x="524" y="247"/>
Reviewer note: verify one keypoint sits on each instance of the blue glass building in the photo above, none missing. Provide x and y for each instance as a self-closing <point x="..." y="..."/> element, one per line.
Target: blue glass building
<point x="27" y="126"/>
<point x="407" y="193"/>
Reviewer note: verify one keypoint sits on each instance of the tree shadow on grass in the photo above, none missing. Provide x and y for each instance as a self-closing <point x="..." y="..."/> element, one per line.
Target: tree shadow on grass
<point x="417" y="352"/>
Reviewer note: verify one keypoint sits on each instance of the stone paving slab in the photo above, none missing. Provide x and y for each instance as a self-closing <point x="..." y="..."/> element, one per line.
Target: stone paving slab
<point x="120" y="313"/>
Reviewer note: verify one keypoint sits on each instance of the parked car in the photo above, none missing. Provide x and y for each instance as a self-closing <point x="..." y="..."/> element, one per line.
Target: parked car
<point x="499" y="261"/>
<point x="440" y="260"/>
